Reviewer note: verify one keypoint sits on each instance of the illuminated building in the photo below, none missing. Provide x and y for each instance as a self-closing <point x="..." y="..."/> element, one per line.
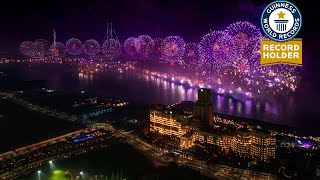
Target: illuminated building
<point x="205" y="137"/>
<point x="168" y="121"/>
<point x="223" y="141"/>
<point x="240" y="143"/>
<point x="203" y="111"/>
<point x="263" y="145"/>
<point x="186" y="141"/>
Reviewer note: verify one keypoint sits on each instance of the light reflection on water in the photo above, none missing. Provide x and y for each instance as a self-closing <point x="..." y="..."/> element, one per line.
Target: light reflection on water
<point x="150" y="89"/>
<point x="222" y="104"/>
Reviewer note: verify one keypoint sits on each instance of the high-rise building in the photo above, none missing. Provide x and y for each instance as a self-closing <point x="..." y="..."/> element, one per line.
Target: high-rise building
<point x="203" y="110"/>
<point x="263" y="145"/>
<point x="241" y="142"/>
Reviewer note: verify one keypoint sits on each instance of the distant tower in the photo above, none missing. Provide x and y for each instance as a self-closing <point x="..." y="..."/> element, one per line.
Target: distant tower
<point x="111" y="47"/>
<point x="111" y="33"/>
<point x="54" y="38"/>
<point x="203" y="111"/>
<point x="54" y="51"/>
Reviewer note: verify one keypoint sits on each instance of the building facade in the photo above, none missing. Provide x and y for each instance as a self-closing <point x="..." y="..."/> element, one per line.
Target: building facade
<point x="223" y="141"/>
<point x="263" y="145"/>
<point x="241" y="142"/>
<point x="203" y="110"/>
<point x="187" y="140"/>
<point x="164" y="121"/>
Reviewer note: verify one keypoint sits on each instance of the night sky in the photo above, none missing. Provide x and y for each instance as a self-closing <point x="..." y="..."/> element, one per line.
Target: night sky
<point x="84" y="19"/>
<point x="191" y="19"/>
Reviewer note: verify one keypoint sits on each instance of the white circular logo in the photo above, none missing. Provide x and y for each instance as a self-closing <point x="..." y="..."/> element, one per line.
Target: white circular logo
<point x="281" y="21"/>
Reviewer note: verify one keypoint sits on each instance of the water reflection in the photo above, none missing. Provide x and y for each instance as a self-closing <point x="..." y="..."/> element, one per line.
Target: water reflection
<point x="153" y="89"/>
<point x="239" y="109"/>
<point x="219" y="102"/>
<point x="150" y="89"/>
<point x="248" y="107"/>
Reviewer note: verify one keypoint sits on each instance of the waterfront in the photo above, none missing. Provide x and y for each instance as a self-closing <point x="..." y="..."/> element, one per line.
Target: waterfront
<point x="141" y="88"/>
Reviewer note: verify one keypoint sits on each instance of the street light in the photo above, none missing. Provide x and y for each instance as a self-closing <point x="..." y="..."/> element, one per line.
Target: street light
<point x="39" y="174"/>
<point x="50" y="162"/>
<point x="81" y="173"/>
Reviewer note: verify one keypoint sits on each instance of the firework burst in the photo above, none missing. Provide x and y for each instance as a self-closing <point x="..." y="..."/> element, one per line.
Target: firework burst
<point x="146" y="46"/>
<point x="111" y="48"/>
<point x="157" y="50"/>
<point x="91" y="47"/>
<point x="217" y="49"/>
<point x="190" y="60"/>
<point x="41" y="47"/>
<point x="27" y="48"/>
<point x="74" y="46"/>
<point x="173" y="48"/>
<point x="246" y="37"/>
<point x="57" y="50"/>
<point x="132" y="47"/>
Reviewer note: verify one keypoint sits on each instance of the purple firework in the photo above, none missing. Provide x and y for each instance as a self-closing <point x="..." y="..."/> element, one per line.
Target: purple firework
<point x="190" y="60"/>
<point x="191" y="51"/>
<point x="111" y="48"/>
<point x="41" y="47"/>
<point x="91" y="47"/>
<point x="74" y="46"/>
<point x="246" y="37"/>
<point x="173" y="48"/>
<point x="157" y="49"/>
<point x="27" y="48"/>
<point x="217" y="49"/>
<point x="132" y="47"/>
<point x="57" y="50"/>
<point x="146" y="46"/>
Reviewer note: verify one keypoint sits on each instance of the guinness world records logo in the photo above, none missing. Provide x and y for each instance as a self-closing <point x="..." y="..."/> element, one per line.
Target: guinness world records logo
<point x="281" y="21"/>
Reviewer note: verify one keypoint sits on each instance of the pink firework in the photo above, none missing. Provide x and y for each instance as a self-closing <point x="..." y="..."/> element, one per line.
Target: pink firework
<point x="217" y="49"/>
<point x="246" y="37"/>
<point x="190" y="60"/>
<point x="157" y="50"/>
<point x="27" y="48"/>
<point x="91" y="47"/>
<point x="173" y="48"/>
<point x="74" y="46"/>
<point x="57" y="50"/>
<point x="146" y="46"/>
<point x="111" y="48"/>
<point x="41" y="47"/>
<point x="132" y="47"/>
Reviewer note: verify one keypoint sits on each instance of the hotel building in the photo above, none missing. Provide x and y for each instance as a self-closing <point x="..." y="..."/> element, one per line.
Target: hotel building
<point x="263" y="145"/>
<point x="178" y="121"/>
<point x="168" y="121"/>
<point x="240" y="143"/>
<point x="223" y="141"/>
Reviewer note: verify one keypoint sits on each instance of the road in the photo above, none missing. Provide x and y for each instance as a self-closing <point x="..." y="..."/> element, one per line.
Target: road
<point x="155" y="154"/>
<point x="215" y="172"/>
